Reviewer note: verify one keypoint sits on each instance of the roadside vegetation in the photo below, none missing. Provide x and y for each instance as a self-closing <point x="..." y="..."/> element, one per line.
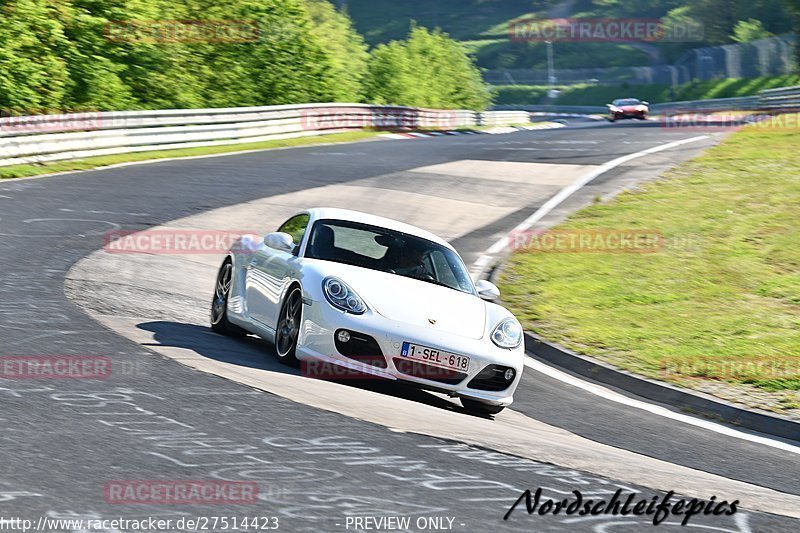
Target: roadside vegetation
<point x="71" y="55"/>
<point x="483" y="26"/>
<point x="599" y="95"/>
<point x="718" y="307"/>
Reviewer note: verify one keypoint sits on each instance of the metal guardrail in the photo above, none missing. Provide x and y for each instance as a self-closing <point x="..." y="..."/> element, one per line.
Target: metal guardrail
<point x="42" y="138"/>
<point x="578" y="109"/>
<point x="503" y="117"/>
<point x="780" y="99"/>
<point x="745" y="103"/>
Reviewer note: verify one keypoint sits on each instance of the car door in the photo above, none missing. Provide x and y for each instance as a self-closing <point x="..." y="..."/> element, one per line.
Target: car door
<point x="269" y="272"/>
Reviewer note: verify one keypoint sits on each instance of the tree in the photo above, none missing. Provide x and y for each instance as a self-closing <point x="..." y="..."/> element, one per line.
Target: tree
<point x="345" y="48"/>
<point x="33" y="73"/>
<point x="126" y="54"/>
<point x="794" y="8"/>
<point x="749" y="30"/>
<point x="285" y="62"/>
<point x="429" y="69"/>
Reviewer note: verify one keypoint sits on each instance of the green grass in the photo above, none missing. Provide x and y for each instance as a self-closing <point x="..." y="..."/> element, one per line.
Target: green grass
<point x="654" y="93"/>
<point x="21" y="171"/>
<point x="725" y="289"/>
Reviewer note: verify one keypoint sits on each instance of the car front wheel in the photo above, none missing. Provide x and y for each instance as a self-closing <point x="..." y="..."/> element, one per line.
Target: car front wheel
<point x="288" y="330"/>
<point x="219" y="304"/>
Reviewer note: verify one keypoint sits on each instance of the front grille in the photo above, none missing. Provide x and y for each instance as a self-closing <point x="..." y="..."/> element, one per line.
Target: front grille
<point x="424" y="371"/>
<point x="361" y="347"/>
<point x="492" y="378"/>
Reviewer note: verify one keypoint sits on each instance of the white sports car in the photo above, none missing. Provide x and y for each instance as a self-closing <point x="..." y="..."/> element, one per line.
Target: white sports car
<point x="376" y="296"/>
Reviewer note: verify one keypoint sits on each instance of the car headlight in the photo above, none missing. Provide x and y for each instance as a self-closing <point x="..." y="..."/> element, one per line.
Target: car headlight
<point x="507" y="334"/>
<point x="341" y="296"/>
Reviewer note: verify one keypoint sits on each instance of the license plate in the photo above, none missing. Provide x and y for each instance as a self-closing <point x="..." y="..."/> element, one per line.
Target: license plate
<point x="435" y="357"/>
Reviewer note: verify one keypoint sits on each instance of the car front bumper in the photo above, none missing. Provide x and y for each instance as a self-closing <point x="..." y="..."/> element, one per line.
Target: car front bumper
<point x="633" y="114"/>
<point x="321" y="322"/>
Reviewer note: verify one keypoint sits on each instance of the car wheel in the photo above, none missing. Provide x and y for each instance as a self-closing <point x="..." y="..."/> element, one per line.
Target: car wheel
<point x="219" y="304"/>
<point x="480" y="408"/>
<point x="611" y="119"/>
<point x="288" y="330"/>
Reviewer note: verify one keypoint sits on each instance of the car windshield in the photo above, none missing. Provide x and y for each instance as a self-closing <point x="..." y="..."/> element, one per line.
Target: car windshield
<point x="626" y="101"/>
<point x="386" y="250"/>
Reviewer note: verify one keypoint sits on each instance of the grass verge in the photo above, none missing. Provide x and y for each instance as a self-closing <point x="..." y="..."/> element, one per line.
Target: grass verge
<point x="718" y="307"/>
<point x="26" y="170"/>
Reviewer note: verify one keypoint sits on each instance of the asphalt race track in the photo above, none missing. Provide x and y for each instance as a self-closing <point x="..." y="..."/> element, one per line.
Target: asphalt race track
<point x="182" y="403"/>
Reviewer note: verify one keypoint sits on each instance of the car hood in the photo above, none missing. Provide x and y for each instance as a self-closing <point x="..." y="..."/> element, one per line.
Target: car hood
<point x="417" y="303"/>
<point x="630" y="108"/>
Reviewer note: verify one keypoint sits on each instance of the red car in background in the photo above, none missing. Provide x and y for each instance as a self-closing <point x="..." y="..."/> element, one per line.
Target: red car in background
<point x="627" y="108"/>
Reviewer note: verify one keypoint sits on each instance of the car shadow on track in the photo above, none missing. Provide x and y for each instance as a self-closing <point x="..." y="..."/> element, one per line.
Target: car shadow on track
<point x="253" y="352"/>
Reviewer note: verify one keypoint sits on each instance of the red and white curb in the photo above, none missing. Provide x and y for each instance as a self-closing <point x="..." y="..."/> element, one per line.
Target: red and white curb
<point x="568" y="115"/>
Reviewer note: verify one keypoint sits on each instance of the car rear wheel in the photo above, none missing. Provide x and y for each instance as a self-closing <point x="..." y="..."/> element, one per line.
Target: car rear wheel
<point x="480" y="408"/>
<point x="219" y="304"/>
<point x="288" y="330"/>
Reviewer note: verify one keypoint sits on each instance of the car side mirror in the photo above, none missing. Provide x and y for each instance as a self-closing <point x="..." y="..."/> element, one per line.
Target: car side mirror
<point x="609" y="105"/>
<point x="280" y="241"/>
<point x="645" y="103"/>
<point x="487" y="290"/>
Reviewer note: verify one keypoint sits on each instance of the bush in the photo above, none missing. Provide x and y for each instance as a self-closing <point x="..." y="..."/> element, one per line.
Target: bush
<point x="429" y="69"/>
<point x="63" y="55"/>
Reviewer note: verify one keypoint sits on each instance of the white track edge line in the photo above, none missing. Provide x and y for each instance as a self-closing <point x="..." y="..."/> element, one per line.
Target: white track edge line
<point x="540" y="213"/>
<point x="568" y="191"/>
<point x="654" y="409"/>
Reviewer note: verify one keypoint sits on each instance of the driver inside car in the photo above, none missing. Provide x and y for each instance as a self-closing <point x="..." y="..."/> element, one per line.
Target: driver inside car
<point x="409" y="263"/>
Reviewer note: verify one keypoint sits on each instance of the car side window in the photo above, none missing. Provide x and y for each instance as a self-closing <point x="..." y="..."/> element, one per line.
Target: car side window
<point x="296" y="227"/>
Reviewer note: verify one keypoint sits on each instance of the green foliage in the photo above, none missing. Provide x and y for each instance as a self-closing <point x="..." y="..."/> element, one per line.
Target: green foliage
<point x="749" y="30"/>
<point x="346" y="48"/>
<point x="429" y="69"/>
<point x="33" y="72"/>
<point x="502" y="54"/>
<point x="60" y="55"/>
<point x="484" y="25"/>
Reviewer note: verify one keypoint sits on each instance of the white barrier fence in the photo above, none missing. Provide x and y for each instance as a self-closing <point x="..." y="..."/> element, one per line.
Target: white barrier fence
<point x="42" y="138"/>
<point x="781" y="98"/>
<point x="504" y="118"/>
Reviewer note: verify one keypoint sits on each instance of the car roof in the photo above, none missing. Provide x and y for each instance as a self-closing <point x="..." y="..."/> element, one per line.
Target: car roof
<point x="334" y="213"/>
